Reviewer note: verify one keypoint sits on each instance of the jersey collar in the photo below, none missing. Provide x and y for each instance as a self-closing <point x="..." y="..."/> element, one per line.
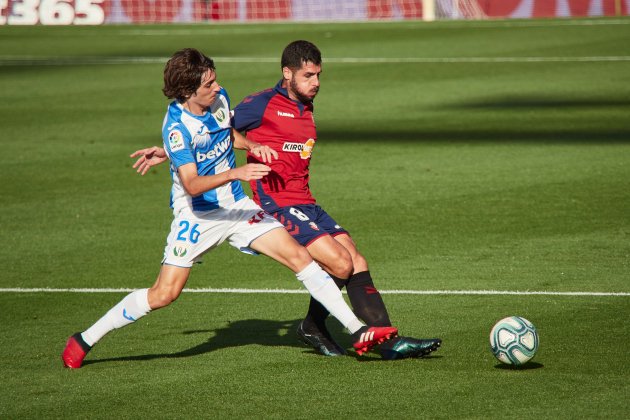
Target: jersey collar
<point x="283" y="91"/>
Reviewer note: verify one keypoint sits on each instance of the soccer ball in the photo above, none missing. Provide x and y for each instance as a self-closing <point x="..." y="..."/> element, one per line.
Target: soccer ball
<point x="513" y="340"/>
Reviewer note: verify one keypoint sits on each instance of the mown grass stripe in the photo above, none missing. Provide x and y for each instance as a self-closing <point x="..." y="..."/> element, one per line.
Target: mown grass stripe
<point x="75" y="61"/>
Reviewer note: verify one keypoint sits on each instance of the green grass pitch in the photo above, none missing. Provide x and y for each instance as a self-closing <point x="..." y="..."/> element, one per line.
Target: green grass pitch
<point x="461" y="155"/>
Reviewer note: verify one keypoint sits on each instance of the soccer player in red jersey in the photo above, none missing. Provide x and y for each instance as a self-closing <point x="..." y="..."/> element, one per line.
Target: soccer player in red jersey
<point x="282" y="118"/>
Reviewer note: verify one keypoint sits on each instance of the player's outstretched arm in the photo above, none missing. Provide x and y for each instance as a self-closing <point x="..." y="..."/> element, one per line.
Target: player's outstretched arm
<point x="196" y="184"/>
<point x="147" y="158"/>
<point x="264" y="153"/>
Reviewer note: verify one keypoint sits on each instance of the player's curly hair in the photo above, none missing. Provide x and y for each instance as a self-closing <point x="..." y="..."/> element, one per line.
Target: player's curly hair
<point x="183" y="73"/>
<point x="300" y="52"/>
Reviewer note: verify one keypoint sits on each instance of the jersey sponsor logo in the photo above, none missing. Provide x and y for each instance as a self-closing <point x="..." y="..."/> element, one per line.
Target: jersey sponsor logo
<point x="308" y="149"/>
<point x="175" y="140"/>
<point x="216" y="151"/>
<point x="292" y="147"/>
<point x="304" y="149"/>
<point x="285" y="114"/>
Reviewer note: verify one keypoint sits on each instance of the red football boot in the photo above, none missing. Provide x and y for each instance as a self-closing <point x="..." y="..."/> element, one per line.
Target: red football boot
<point x="368" y="337"/>
<point x="75" y="352"/>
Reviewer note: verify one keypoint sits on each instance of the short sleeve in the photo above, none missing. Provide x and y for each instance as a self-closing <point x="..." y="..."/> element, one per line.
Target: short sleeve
<point x="248" y="114"/>
<point x="178" y="146"/>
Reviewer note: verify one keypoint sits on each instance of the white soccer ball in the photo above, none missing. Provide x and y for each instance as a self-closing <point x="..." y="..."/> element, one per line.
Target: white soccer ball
<point x="514" y="340"/>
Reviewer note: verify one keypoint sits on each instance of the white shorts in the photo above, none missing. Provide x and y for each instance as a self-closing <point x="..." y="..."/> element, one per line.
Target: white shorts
<point x="195" y="233"/>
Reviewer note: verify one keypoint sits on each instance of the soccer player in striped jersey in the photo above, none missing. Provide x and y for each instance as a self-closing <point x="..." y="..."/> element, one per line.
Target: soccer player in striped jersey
<point x="209" y="207"/>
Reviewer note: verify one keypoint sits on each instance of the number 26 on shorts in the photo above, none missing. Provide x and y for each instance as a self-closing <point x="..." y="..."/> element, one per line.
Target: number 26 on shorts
<point x="188" y="233"/>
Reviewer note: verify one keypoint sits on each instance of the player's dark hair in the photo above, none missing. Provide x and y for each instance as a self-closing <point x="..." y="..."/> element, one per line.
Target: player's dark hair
<point x="183" y="73"/>
<point x="300" y="52"/>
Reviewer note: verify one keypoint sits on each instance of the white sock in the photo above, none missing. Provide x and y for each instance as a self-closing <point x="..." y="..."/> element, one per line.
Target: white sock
<point x="323" y="289"/>
<point x="133" y="307"/>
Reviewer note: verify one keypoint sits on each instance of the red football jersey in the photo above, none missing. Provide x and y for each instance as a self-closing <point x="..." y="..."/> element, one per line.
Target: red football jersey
<point x="272" y="118"/>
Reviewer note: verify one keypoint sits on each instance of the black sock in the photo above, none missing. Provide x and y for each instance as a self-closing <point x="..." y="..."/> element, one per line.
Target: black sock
<point x="84" y="346"/>
<point x="366" y="301"/>
<point x="357" y="334"/>
<point x="317" y="313"/>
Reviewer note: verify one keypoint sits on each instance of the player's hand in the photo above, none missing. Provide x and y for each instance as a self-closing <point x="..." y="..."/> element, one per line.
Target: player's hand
<point x="250" y="171"/>
<point x="264" y="153"/>
<point x="147" y="158"/>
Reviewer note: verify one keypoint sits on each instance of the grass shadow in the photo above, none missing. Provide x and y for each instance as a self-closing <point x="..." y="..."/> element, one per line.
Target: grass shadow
<point x="235" y="334"/>
<point x="532" y="126"/>
<point x="247" y="332"/>
<point x="514" y="135"/>
<point x="541" y="102"/>
<point x="526" y="366"/>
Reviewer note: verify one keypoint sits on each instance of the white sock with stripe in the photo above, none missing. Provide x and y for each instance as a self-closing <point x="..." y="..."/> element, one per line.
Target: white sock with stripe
<point x="323" y="289"/>
<point x="133" y="307"/>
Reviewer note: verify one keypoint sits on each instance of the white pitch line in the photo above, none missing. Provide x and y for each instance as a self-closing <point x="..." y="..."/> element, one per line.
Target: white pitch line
<point x="301" y="291"/>
<point x="6" y="61"/>
<point x="500" y="292"/>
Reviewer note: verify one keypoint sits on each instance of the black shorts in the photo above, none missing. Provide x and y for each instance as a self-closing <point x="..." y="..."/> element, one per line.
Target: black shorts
<point x="306" y="222"/>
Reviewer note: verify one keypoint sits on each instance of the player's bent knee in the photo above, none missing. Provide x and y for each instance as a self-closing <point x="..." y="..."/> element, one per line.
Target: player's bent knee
<point x="341" y="267"/>
<point x="161" y="297"/>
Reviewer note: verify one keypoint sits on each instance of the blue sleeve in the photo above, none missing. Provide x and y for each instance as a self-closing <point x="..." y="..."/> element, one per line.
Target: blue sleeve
<point x="248" y="114"/>
<point x="177" y="144"/>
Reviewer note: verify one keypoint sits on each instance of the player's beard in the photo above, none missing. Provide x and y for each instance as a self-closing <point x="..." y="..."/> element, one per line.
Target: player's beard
<point x="299" y="95"/>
